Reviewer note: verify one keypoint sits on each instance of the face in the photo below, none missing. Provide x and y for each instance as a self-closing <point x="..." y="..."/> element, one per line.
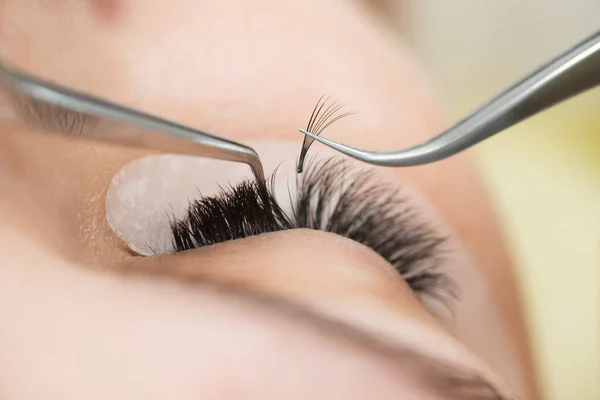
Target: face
<point x="94" y="234"/>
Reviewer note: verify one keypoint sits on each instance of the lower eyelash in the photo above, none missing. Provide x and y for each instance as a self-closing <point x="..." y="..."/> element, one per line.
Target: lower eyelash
<point x="330" y="197"/>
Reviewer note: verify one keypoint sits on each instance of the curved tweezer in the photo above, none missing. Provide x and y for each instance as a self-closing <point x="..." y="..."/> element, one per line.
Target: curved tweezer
<point x="569" y="74"/>
<point x="133" y="127"/>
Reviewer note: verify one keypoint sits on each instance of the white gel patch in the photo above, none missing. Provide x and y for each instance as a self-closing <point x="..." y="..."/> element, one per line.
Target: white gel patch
<point x="146" y="194"/>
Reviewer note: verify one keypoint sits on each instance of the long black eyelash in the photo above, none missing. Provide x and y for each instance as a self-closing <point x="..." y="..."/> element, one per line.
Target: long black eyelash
<point x="237" y="212"/>
<point x="318" y="122"/>
<point x="334" y="198"/>
<point x="377" y="215"/>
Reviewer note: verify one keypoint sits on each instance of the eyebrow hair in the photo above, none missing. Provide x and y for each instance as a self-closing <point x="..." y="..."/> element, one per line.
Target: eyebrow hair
<point x="441" y="378"/>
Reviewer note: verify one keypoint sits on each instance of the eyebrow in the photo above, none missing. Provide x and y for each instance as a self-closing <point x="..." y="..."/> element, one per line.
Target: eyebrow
<point x="443" y="379"/>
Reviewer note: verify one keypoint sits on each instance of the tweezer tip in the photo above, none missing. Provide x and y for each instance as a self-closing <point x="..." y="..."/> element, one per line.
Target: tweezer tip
<point x="330" y="143"/>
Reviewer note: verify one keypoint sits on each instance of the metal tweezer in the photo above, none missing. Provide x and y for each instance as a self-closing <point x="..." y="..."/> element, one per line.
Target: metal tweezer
<point x="573" y="72"/>
<point x="130" y="127"/>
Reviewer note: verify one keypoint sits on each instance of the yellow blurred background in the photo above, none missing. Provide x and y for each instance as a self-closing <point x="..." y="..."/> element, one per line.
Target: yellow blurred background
<point x="544" y="174"/>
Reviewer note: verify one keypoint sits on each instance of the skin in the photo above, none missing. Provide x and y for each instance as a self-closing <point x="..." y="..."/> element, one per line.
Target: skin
<point x="112" y="331"/>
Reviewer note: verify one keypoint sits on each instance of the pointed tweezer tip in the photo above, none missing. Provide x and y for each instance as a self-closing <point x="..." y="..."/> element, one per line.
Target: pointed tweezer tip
<point x="307" y="133"/>
<point x="330" y="143"/>
<point x="316" y="137"/>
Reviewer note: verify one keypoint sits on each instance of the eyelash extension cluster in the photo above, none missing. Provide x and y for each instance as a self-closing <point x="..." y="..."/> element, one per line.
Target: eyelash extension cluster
<point x="330" y="197"/>
<point x="319" y="121"/>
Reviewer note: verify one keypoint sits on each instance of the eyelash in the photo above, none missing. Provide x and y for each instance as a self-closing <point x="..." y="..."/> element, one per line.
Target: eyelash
<point x="330" y="197"/>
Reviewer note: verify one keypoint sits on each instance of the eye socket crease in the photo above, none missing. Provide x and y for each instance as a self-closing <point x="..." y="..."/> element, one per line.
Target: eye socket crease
<point x="332" y="197"/>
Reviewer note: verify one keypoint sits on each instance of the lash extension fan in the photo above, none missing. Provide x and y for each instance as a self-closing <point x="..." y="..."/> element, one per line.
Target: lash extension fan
<point x="567" y="75"/>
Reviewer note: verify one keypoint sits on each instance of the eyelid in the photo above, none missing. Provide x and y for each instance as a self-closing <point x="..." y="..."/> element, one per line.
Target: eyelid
<point x="330" y="197"/>
<point x="149" y="194"/>
<point x="423" y="346"/>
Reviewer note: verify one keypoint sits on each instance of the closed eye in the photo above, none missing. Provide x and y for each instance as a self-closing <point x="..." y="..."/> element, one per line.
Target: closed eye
<point x="330" y="196"/>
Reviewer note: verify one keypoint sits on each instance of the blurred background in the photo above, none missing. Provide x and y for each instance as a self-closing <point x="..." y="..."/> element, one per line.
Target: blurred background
<point x="544" y="174"/>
